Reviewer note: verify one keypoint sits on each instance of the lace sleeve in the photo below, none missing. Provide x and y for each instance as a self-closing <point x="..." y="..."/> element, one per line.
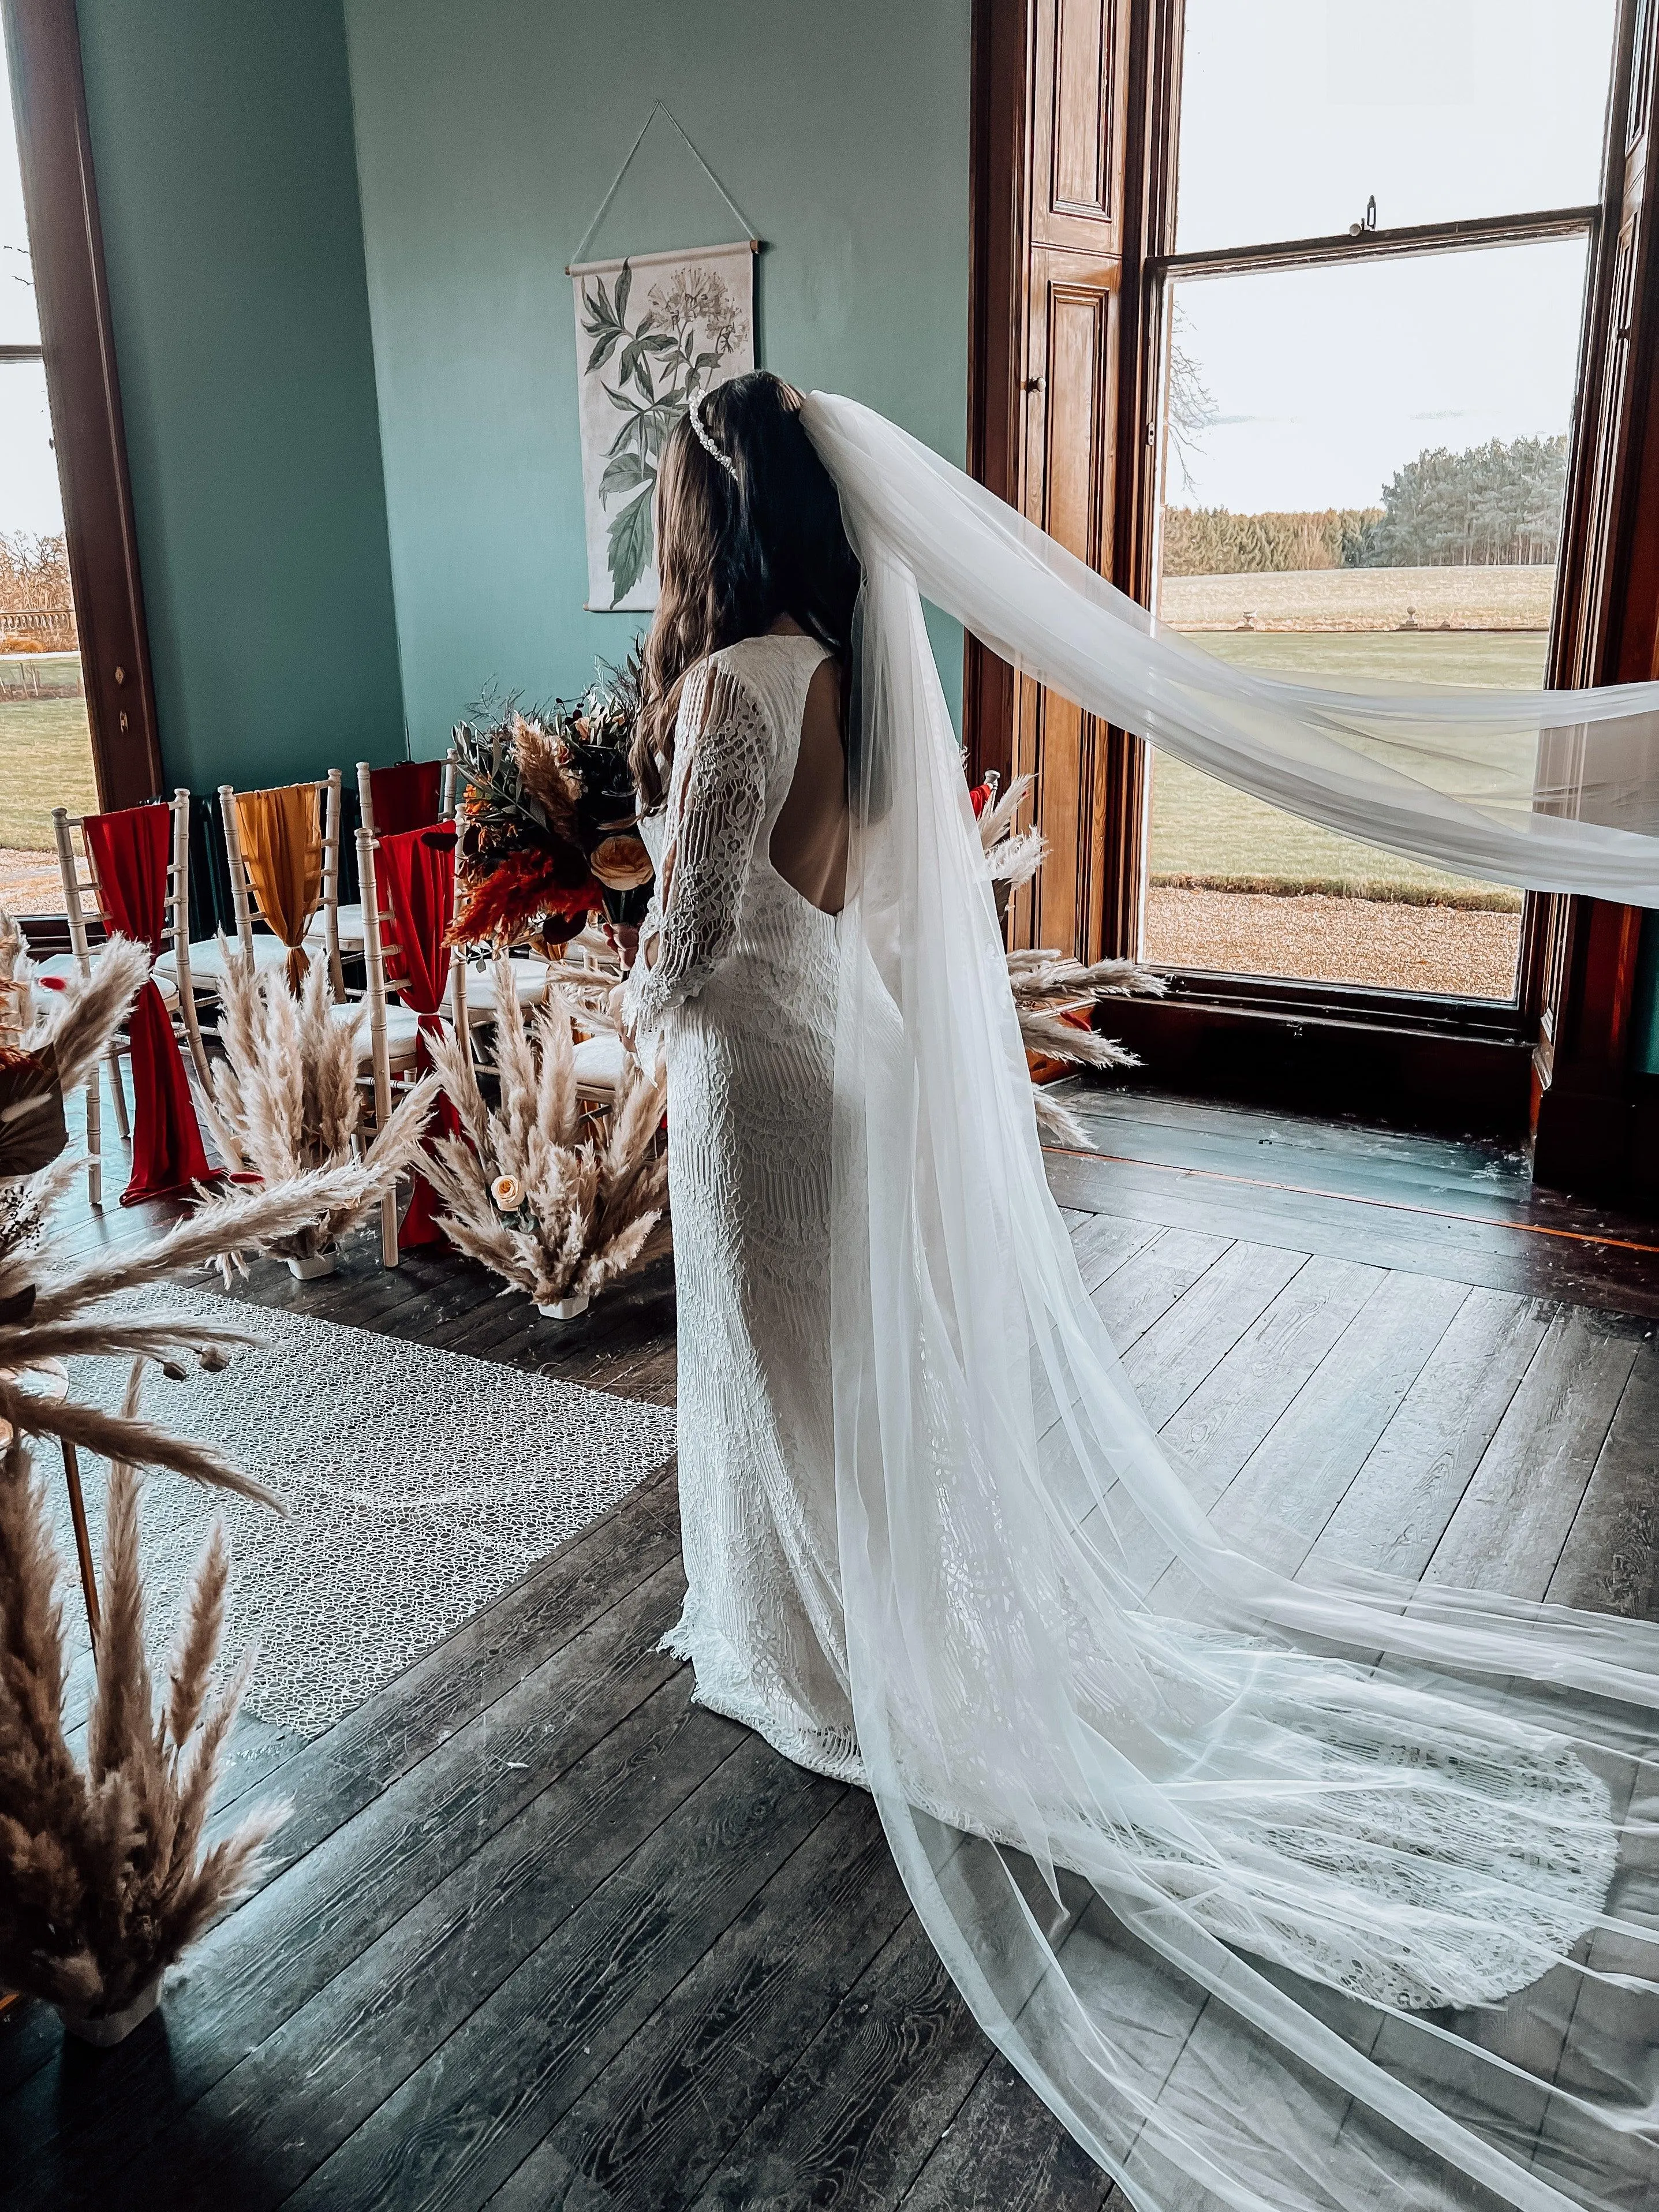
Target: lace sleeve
<point x="716" y="798"/>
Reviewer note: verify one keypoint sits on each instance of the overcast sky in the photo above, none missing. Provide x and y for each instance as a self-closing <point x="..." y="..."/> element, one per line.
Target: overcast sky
<point x="1293" y="111"/>
<point x="29" y="470"/>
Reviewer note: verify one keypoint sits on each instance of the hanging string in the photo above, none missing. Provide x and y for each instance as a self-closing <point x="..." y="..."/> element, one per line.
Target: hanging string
<point x="659" y="106"/>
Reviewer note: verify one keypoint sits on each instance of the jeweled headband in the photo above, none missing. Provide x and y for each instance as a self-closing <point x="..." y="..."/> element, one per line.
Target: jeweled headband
<point x="694" y="413"/>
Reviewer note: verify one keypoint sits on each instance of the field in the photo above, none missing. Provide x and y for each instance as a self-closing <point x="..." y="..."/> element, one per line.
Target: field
<point x="1363" y="598"/>
<point x="46" y="748"/>
<point x="1205" y="833"/>
<point x="1395" y="922"/>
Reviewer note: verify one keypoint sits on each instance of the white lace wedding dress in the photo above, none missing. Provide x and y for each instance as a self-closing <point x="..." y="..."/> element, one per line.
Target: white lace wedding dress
<point x="1264" y="1833"/>
<point x="741" y="996"/>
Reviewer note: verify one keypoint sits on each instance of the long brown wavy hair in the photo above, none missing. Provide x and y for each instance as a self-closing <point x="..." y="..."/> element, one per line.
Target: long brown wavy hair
<point x="737" y="552"/>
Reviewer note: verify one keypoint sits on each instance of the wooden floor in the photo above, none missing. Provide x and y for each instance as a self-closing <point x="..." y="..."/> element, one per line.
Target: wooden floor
<point x="543" y="1932"/>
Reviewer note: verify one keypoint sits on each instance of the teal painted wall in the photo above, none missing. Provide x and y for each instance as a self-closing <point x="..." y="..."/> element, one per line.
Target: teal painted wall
<point x="228" y="189"/>
<point x="1645" y="1010"/>
<point x="486" y="137"/>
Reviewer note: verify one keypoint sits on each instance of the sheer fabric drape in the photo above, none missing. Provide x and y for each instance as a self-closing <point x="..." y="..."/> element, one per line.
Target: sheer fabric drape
<point x="1284" y="1896"/>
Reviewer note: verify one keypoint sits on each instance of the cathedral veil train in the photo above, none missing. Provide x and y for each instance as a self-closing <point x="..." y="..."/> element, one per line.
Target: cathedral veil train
<point x="1281" y="1895"/>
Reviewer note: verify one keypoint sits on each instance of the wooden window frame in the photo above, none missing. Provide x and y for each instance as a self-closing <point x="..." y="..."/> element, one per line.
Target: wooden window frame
<point x="77" y="349"/>
<point x="1472" y="1058"/>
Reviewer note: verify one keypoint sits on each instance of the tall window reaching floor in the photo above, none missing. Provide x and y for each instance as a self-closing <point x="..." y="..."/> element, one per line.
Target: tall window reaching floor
<point x="46" y="743"/>
<point x="1374" y="312"/>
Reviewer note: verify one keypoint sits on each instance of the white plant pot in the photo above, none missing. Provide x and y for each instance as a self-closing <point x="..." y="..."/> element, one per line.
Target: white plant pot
<point x="566" y="1309"/>
<point x="310" y="1269"/>
<point x="106" y="2029"/>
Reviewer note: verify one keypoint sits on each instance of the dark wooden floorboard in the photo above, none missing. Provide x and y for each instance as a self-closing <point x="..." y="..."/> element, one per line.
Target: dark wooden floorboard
<point x="856" y="2120"/>
<point x="1004" y="2153"/>
<point x="450" y="2131"/>
<point x="693" y="2083"/>
<point x="541" y="1932"/>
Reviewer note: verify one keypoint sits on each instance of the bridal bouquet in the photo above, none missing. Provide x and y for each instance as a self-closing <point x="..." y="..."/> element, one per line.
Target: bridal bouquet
<point x="546" y="822"/>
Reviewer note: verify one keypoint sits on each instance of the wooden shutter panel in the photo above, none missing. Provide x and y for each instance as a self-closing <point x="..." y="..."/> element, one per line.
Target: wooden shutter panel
<point x="1067" y="346"/>
<point x="1592" y="1127"/>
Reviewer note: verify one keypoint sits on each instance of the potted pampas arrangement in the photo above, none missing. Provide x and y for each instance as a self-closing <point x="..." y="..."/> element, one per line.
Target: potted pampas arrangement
<point x="1054" y="995"/>
<point x="555" y="1200"/>
<point x="104" y="1881"/>
<point x="286" y="1104"/>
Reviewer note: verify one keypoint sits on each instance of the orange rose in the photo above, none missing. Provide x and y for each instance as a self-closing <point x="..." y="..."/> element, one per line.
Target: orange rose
<point x="621" y="864"/>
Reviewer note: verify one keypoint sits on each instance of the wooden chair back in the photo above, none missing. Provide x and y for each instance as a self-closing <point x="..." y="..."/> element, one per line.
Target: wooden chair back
<point x="84" y="910"/>
<point x="244" y="898"/>
<point x="380" y="968"/>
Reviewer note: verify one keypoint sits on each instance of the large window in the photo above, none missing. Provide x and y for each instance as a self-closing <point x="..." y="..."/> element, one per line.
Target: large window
<point x="77" y="710"/>
<point x="1373" y="310"/>
<point x="45" y="745"/>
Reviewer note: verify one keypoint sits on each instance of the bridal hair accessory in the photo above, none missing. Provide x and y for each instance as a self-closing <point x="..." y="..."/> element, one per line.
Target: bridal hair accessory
<point x="694" y="415"/>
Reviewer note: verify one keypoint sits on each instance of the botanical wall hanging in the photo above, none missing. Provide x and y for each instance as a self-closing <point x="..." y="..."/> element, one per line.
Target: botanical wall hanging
<point x="652" y="331"/>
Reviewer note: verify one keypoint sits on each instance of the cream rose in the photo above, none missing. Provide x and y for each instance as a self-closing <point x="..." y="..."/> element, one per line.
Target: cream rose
<point x="506" y="1194"/>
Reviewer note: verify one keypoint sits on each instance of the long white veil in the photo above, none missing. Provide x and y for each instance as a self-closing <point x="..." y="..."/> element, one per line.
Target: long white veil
<point x="1282" y="1896"/>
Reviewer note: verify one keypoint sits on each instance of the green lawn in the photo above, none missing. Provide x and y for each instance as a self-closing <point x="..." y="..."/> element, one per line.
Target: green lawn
<point x="46" y="760"/>
<point x="1202" y="829"/>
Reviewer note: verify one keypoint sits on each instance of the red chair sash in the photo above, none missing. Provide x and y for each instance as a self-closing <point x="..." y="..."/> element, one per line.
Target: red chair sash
<point x="406" y="796"/>
<point x="129" y="852"/>
<point x="416" y="869"/>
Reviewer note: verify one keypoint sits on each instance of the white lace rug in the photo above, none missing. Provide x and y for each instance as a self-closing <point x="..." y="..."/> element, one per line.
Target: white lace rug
<point x="420" y="1486"/>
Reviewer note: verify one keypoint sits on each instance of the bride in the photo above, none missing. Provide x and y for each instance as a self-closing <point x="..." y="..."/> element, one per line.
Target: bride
<point x="1282" y="1897"/>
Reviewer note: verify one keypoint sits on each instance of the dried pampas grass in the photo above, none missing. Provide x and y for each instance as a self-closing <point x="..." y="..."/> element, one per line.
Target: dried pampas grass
<point x="556" y="1200"/>
<point x="286" y="1103"/>
<point x="1013" y="855"/>
<point x="79" y="1022"/>
<point x="103" y="1878"/>
<point x="1049" y="986"/>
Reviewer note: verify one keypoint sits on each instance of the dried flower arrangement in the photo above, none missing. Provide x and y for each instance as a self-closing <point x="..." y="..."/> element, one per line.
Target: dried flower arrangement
<point x="546" y="819"/>
<point x="286" y="1103"/>
<point x="557" y="1200"/>
<point x="1054" y="995"/>
<point x="103" y="1878"/>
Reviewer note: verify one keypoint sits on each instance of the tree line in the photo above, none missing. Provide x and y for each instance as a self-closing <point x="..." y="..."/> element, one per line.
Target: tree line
<point x="33" y="572"/>
<point x="1494" y="506"/>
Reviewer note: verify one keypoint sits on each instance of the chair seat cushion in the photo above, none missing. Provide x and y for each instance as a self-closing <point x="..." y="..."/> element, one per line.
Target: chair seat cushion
<point x="598" y="1061"/>
<point x="207" y="960"/>
<point x="529" y="985"/>
<point x="351" y="930"/>
<point x="60" y="968"/>
<point x="402" y="1029"/>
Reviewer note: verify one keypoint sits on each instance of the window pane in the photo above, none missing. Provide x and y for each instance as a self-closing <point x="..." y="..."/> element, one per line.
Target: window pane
<point x="45" y="747"/>
<point x="19" y="323"/>
<point x="1294" y="111"/>
<point x="1365" y="472"/>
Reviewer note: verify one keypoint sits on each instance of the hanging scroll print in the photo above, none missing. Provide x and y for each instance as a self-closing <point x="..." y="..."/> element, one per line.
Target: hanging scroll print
<point x="651" y="332"/>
